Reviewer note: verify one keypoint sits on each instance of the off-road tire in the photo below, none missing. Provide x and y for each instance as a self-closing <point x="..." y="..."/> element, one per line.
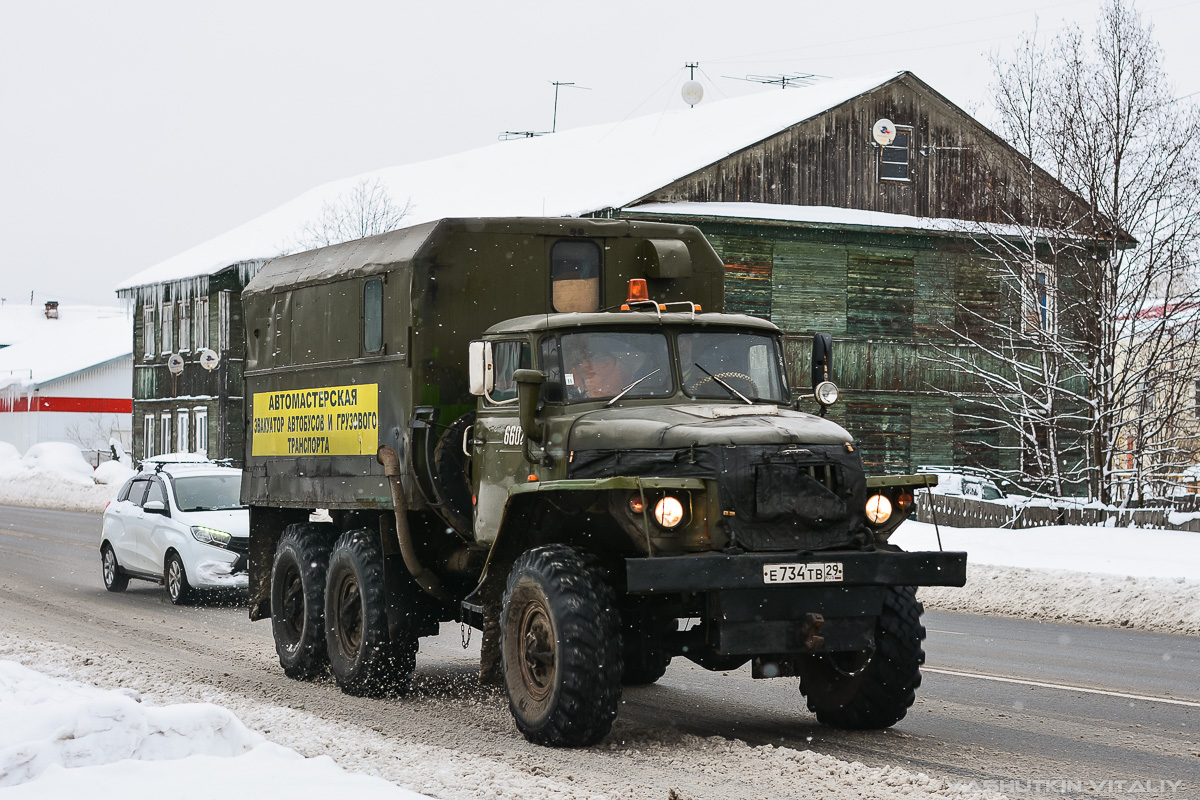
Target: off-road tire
<point x="363" y="656"/>
<point x="115" y="579"/>
<point x="298" y="600"/>
<point x="876" y="689"/>
<point x="646" y="658"/>
<point x="175" y="579"/>
<point x="560" y="644"/>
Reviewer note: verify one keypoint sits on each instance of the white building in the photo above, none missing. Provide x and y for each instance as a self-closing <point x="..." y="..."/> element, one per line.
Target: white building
<point x="66" y="374"/>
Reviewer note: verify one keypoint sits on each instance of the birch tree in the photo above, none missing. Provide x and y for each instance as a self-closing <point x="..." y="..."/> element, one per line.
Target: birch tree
<point x="1093" y="371"/>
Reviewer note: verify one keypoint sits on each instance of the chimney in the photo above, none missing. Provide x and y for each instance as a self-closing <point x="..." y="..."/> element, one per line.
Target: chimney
<point x="51" y="309"/>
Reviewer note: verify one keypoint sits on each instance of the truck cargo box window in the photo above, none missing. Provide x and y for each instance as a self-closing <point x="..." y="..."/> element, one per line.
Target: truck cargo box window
<point x="373" y="316"/>
<point x="575" y="276"/>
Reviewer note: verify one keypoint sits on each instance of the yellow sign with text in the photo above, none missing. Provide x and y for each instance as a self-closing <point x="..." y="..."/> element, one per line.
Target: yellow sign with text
<point x="331" y="421"/>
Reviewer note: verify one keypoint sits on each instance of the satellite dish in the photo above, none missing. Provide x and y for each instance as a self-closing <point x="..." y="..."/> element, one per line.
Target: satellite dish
<point x="884" y="131"/>
<point x="209" y="359"/>
<point x="693" y="92"/>
<point x="175" y="363"/>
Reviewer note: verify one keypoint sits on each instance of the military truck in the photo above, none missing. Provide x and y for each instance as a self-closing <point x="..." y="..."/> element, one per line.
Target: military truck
<point x="545" y="430"/>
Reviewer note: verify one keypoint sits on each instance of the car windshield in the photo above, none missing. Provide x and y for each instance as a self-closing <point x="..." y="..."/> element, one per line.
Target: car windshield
<point x="602" y="364"/>
<point x="713" y="362"/>
<point x="208" y="492"/>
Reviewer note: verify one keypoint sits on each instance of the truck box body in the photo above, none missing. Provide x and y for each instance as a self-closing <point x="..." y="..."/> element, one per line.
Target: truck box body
<point x="320" y="400"/>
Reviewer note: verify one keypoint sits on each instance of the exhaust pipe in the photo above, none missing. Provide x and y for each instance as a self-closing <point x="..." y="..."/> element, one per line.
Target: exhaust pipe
<point x="428" y="581"/>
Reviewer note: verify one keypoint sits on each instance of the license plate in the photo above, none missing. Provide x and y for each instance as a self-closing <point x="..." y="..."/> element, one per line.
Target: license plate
<point x="803" y="573"/>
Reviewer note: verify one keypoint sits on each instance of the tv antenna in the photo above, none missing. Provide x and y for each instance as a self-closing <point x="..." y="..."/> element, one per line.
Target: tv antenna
<point x="692" y="90"/>
<point x="510" y="135"/>
<point x="783" y="81"/>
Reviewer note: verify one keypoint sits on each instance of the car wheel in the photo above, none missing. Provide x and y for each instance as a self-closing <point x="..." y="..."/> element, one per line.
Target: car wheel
<point x="176" y="580"/>
<point x="366" y="658"/>
<point x="115" y="580"/>
<point x="870" y="689"/>
<point x="298" y="599"/>
<point x="560" y="645"/>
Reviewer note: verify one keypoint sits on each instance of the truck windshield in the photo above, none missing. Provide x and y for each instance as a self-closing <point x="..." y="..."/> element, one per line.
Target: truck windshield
<point x="208" y="493"/>
<point x="747" y="362"/>
<point x="601" y="364"/>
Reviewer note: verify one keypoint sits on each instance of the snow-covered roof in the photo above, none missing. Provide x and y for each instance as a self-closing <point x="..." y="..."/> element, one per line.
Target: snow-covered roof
<point x="834" y="217"/>
<point x="41" y="350"/>
<point x="567" y="174"/>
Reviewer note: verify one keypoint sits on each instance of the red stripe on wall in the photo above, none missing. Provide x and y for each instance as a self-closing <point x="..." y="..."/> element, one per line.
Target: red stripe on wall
<point x="85" y="405"/>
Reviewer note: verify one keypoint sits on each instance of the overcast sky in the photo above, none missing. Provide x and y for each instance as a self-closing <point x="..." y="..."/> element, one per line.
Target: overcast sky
<point x="131" y="131"/>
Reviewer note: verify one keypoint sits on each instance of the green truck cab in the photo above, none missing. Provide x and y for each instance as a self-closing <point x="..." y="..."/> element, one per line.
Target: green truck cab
<point x="631" y="485"/>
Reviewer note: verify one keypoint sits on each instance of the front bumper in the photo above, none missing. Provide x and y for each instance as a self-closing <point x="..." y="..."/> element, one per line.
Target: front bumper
<point x="703" y="572"/>
<point x="745" y="615"/>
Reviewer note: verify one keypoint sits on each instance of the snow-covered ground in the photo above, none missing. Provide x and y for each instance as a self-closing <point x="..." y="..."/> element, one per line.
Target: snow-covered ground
<point x="63" y="739"/>
<point x="56" y="475"/>
<point x="1118" y="577"/>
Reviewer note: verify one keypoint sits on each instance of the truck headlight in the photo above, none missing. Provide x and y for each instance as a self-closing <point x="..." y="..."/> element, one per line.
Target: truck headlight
<point x="879" y="508"/>
<point x="211" y="536"/>
<point x="668" y="512"/>
<point x="826" y="393"/>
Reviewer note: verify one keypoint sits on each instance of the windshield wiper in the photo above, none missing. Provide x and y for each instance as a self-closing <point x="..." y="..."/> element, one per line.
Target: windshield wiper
<point x="732" y="390"/>
<point x="625" y="391"/>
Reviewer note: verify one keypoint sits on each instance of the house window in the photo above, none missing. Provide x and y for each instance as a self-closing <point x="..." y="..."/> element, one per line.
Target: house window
<point x="894" y="158"/>
<point x="1039" y="296"/>
<point x="164" y="430"/>
<point x="167" y="328"/>
<point x="224" y="318"/>
<point x="148" y="331"/>
<point x="1196" y="395"/>
<point x="201" y="317"/>
<point x="201" y="429"/>
<point x="575" y="276"/>
<point x="373" y="316"/>
<point x="148" y="436"/>
<point x="181" y="430"/>
<point x="184" y="327"/>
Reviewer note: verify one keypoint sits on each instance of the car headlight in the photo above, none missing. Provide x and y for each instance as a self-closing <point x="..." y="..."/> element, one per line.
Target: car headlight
<point x="211" y="536"/>
<point x="826" y="393"/>
<point x="668" y="512"/>
<point x="879" y="508"/>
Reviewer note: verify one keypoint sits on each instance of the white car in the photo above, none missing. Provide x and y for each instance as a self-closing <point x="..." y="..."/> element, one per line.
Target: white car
<point x="180" y="524"/>
<point x="962" y="483"/>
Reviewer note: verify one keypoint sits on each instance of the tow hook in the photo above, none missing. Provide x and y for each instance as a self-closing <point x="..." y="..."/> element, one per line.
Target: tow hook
<point x="813" y="640"/>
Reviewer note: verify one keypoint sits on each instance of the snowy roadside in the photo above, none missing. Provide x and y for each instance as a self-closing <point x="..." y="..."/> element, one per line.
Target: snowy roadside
<point x="1134" y="578"/>
<point x="130" y="714"/>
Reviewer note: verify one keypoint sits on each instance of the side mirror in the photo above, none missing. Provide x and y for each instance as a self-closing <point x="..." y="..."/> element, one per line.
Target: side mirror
<point x="822" y="359"/>
<point x="155" y="507"/>
<point x="482" y="375"/>
<point x="529" y="387"/>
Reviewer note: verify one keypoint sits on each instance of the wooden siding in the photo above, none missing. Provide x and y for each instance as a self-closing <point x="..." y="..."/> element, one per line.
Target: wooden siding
<point x="958" y="168"/>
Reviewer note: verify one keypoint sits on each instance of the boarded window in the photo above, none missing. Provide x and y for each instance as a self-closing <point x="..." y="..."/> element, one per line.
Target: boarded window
<point x="575" y="276"/>
<point x="883" y="432"/>
<point x="894" y="158"/>
<point x="373" y="316"/>
<point x="976" y="441"/>
<point x="748" y="290"/>
<point x="880" y="295"/>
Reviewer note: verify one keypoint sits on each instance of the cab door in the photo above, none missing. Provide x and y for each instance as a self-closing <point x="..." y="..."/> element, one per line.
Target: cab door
<point x="498" y="459"/>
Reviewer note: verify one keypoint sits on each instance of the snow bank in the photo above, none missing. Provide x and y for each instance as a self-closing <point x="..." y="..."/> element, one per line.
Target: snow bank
<point x="1116" y="577"/>
<point x="1150" y="604"/>
<point x="63" y="739"/>
<point x="56" y="475"/>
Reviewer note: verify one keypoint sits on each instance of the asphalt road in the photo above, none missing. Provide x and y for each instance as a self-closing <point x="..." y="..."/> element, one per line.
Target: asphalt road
<point x="1002" y="700"/>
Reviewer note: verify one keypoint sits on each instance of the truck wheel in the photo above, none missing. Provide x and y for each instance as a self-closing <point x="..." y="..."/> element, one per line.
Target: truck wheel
<point x="176" y="581"/>
<point x="114" y="579"/>
<point x="298" y="600"/>
<point x="646" y="658"/>
<point x="873" y="689"/>
<point x="560" y="645"/>
<point x="362" y="655"/>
